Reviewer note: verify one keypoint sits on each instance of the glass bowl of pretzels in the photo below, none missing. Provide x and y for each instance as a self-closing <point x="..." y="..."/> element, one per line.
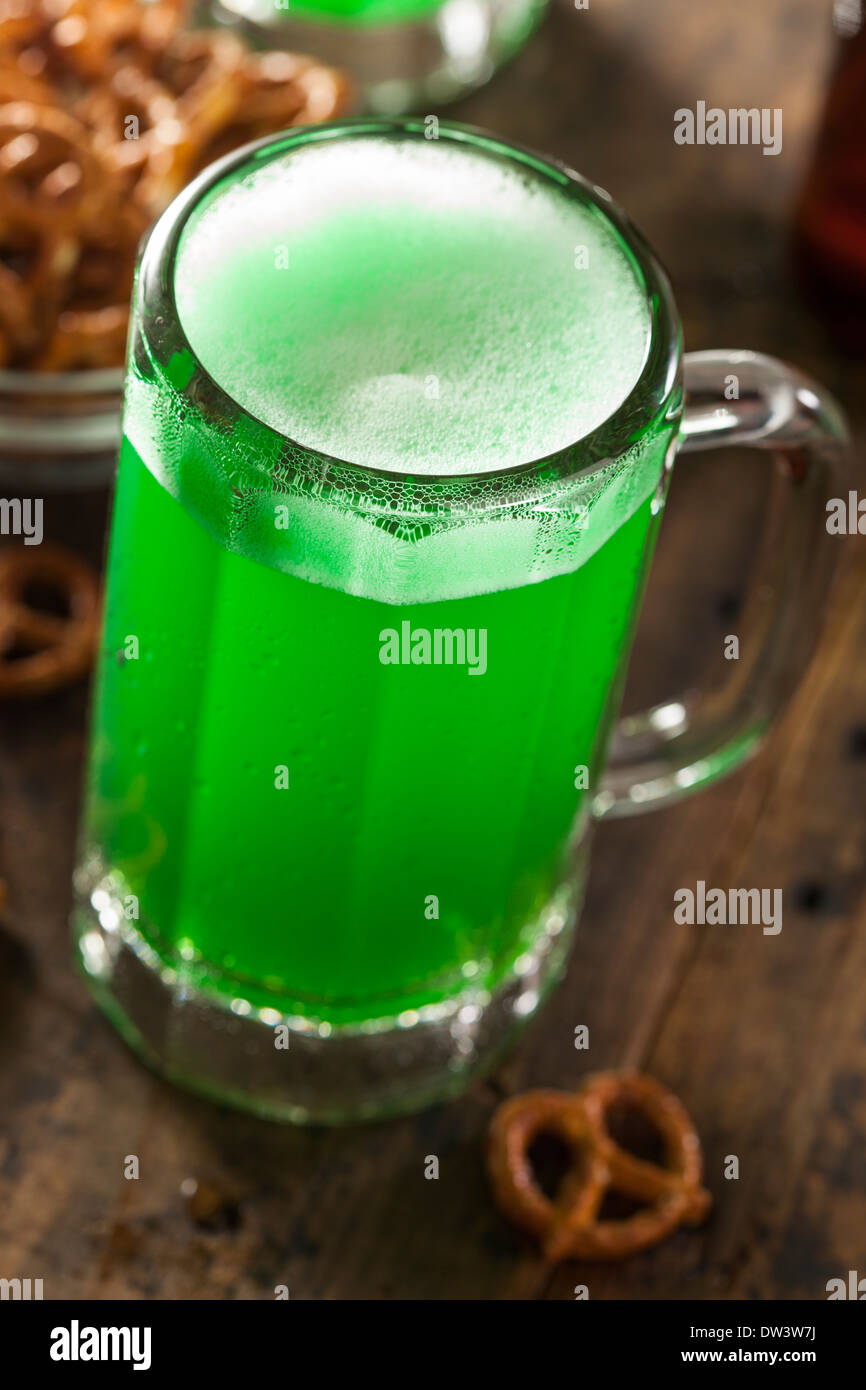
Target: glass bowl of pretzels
<point x="106" y="111"/>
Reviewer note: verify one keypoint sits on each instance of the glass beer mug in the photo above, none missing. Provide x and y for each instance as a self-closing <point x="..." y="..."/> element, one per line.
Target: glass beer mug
<point x="400" y="420"/>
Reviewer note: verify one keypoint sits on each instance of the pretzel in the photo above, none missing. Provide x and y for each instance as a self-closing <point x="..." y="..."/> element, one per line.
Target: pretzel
<point x="91" y="33"/>
<point x="18" y="23"/>
<point x="203" y="71"/>
<point x="569" y="1227"/>
<point x="16" y="84"/>
<point x="281" y="88"/>
<point x="58" y="649"/>
<point x="129" y="92"/>
<point x="85" y="338"/>
<point x="80" y="181"/>
<point x="16" y="312"/>
<point x="46" y="165"/>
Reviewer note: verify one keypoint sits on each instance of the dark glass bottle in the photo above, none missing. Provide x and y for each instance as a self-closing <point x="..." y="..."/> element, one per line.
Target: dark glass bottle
<point x="830" y="233"/>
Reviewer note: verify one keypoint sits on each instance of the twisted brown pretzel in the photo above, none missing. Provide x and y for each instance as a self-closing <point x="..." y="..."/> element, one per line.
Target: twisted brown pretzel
<point x="569" y="1226"/>
<point x="58" y="649"/>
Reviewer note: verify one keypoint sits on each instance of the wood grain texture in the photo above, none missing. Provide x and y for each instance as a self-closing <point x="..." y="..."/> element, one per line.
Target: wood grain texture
<point x="763" y="1038"/>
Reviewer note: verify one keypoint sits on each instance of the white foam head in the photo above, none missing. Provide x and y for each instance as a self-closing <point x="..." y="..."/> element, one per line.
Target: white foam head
<point x="416" y="306"/>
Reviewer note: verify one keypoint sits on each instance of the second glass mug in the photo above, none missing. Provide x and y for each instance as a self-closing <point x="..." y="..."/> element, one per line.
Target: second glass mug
<point x="327" y="888"/>
<point x="402" y="54"/>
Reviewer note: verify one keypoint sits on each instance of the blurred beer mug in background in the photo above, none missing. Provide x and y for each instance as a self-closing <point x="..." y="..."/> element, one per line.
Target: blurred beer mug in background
<point x="399" y="52"/>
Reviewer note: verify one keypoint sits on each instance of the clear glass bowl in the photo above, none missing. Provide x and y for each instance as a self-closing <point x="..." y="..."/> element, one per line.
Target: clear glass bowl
<point x="59" y="431"/>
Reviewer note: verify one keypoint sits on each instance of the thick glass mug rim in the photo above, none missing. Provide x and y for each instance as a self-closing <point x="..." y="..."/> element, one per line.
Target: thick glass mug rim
<point x="656" y="395"/>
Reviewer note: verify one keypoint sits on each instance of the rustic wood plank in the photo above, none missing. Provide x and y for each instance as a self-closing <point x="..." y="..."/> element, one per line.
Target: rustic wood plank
<point x="764" y="1035"/>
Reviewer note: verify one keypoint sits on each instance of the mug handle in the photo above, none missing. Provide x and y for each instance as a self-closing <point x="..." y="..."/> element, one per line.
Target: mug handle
<point x="663" y="754"/>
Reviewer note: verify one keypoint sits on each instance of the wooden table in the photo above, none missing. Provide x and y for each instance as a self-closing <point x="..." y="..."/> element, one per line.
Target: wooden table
<point x="764" y="1038"/>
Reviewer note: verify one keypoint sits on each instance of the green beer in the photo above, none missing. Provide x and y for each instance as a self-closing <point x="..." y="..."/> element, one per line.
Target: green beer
<point x="361" y="653"/>
<point x="361" y="12"/>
